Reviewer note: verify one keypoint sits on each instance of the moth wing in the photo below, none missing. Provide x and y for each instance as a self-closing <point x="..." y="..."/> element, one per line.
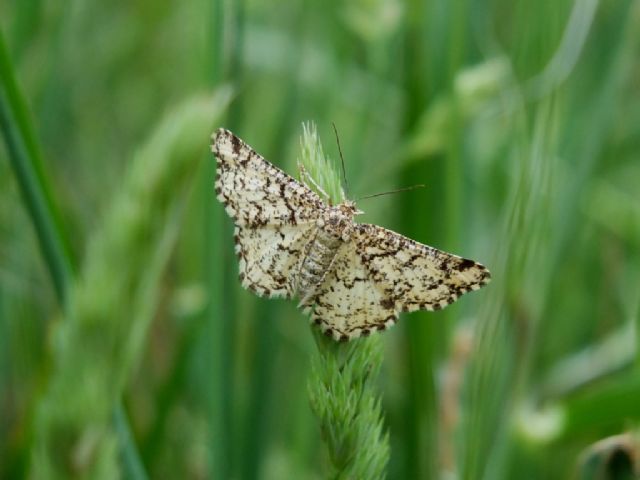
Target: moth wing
<point x="349" y="303"/>
<point x="415" y="276"/>
<point x="270" y="257"/>
<point x="256" y="193"/>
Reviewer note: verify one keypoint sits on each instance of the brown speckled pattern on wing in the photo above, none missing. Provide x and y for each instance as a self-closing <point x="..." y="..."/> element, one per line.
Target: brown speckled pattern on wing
<point x="415" y="276"/>
<point x="270" y="256"/>
<point x="354" y="278"/>
<point x="349" y="304"/>
<point x="256" y="193"/>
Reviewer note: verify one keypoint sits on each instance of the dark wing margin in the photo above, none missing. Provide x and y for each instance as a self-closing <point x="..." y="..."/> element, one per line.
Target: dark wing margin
<point x="415" y="276"/>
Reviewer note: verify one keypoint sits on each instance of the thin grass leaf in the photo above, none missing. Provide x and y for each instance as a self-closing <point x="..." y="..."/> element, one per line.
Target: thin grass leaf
<point x="493" y="375"/>
<point x="112" y="303"/>
<point x="133" y="468"/>
<point x="26" y="161"/>
<point x="25" y="155"/>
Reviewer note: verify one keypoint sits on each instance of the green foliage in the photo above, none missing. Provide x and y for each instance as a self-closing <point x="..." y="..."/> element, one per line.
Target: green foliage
<point x="123" y="328"/>
<point x="26" y="161"/>
<point x="110" y="308"/>
<point x="344" y="398"/>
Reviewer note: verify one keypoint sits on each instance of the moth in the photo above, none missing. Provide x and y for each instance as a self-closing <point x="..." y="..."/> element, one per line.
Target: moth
<point x="353" y="278"/>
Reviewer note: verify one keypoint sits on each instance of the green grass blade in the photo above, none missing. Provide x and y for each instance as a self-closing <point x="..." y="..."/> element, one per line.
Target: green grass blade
<point x="133" y="468"/>
<point x="216" y="331"/>
<point x="25" y="158"/>
<point x="27" y="163"/>
<point x="226" y="30"/>
<point x="111" y="305"/>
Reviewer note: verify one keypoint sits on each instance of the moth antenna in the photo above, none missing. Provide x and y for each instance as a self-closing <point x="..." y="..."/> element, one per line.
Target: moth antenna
<point x="406" y="189"/>
<point x="344" y="172"/>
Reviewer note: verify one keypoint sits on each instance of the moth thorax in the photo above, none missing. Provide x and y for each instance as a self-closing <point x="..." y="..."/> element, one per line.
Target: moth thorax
<point x="337" y="221"/>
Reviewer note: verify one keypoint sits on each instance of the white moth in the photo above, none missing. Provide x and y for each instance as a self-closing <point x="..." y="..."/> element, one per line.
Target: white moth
<point x="354" y="278"/>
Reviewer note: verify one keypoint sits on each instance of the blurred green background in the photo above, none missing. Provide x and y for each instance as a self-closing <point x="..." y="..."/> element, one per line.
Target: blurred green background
<point x="118" y="289"/>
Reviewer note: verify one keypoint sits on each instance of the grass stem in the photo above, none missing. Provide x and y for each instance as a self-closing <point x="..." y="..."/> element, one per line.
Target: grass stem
<point x="343" y="375"/>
